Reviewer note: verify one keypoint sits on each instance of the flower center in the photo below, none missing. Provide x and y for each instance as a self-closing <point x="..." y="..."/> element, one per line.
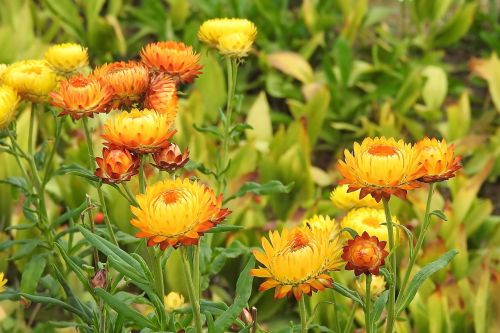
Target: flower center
<point x="371" y="221"/>
<point x="170" y="197"/>
<point x="33" y="70"/>
<point x="298" y="241"/>
<point x="383" y="150"/>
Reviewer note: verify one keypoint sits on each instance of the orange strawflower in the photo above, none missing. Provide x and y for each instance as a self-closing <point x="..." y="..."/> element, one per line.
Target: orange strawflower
<point x="116" y="165"/>
<point x="162" y="95"/>
<point x="381" y="167"/>
<point x="364" y="254"/>
<point x="129" y="81"/>
<point x="142" y="131"/>
<point x="171" y="158"/>
<point x="82" y="96"/>
<point x="174" y="58"/>
<point x="438" y="159"/>
<point x="177" y="212"/>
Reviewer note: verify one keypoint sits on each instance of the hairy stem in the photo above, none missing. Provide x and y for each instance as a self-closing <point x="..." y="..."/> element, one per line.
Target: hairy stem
<point x="303" y="315"/>
<point x="193" y="297"/>
<point x="368" y="302"/>
<point x="392" y="287"/>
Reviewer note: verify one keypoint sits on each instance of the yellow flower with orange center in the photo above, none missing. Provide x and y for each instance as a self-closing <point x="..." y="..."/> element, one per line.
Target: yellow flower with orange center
<point x="129" y="81"/>
<point x="296" y="261"/>
<point x="438" y="159"/>
<point x="381" y="167"/>
<point x="32" y="79"/>
<point x="8" y="105"/>
<point x="369" y="220"/>
<point x="174" y="58"/>
<point x="345" y="200"/>
<point x="233" y="37"/>
<point x="116" y="165"/>
<point x="142" y="131"/>
<point x="177" y="212"/>
<point x="365" y="254"/>
<point x="82" y="96"/>
<point x="67" y="58"/>
<point x="162" y="95"/>
<point x="3" y="282"/>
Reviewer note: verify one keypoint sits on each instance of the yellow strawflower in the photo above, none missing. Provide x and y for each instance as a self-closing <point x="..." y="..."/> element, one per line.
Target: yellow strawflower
<point x="32" y="79"/>
<point x="3" y="67"/>
<point x="438" y="159"/>
<point x="3" y="282"/>
<point x="67" y="58"/>
<point x="376" y="287"/>
<point x="369" y="220"/>
<point x="233" y="37"/>
<point x="173" y="301"/>
<point x="8" y="105"/>
<point x="345" y="200"/>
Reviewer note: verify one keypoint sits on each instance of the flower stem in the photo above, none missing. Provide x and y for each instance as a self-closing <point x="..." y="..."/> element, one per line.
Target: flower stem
<point x="48" y="165"/>
<point x="142" y="178"/>
<point x="303" y="315"/>
<point x="392" y="286"/>
<point x="368" y="301"/>
<point x="193" y="298"/>
<point x="420" y="240"/>
<point x="104" y="208"/>
<point x="196" y="270"/>
<point x="30" y="130"/>
<point x="336" y="321"/>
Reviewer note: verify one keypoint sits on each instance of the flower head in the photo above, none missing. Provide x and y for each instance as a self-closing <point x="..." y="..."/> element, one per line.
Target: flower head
<point x="369" y="220"/>
<point x="67" y="58"/>
<point x="295" y="261"/>
<point x="8" y="105"/>
<point x="381" y="167"/>
<point x="345" y="200"/>
<point x="162" y="95"/>
<point x="377" y="286"/>
<point x="3" y="282"/>
<point x="142" y="131"/>
<point x="129" y="81"/>
<point x="177" y="212"/>
<point x="171" y="158"/>
<point x="32" y="79"/>
<point x="231" y="36"/>
<point x="173" y="301"/>
<point x="116" y="165"/>
<point x="82" y="96"/>
<point x="3" y="67"/>
<point x="174" y="58"/>
<point x="364" y="254"/>
<point x="438" y="159"/>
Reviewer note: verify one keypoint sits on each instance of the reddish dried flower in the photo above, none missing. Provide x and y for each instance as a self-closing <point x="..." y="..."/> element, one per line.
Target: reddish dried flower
<point x="116" y="165"/>
<point x="99" y="279"/>
<point x="171" y="158"/>
<point x="364" y="254"/>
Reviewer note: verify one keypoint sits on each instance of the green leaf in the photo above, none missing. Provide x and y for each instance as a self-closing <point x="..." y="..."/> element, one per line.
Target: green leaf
<point x="70" y="214"/>
<point x="439" y="214"/>
<point x="273" y="186"/>
<point x="351" y="231"/>
<point x="457" y="26"/>
<point x="214" y="130"/>
<point x="422" y="275"/>
<point x="124" y="310"/>
<point x="224" y="228"/>
<point x="343" y="58"/>
<point x="77" y="170"/>
<point x="349" y="293"/>
<point x="243" y="292"/>
<point x="67" y="13"/>
<point x="80" y="274"/>
<point x="32" y="273"/>
<point x="378" y="306"/>
<point x="52" y="301"/>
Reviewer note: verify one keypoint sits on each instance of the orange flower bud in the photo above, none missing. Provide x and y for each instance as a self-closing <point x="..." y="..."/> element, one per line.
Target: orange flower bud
<point x="364" y="254"/>
<point x="171" y="158"/>
<point x="99" y="279"/>
<point x="117" y="165"/>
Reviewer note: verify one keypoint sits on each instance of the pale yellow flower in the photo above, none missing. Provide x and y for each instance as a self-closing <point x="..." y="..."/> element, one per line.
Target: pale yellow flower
<point x="369" y="220"/>
<point x="3" y="67"/>
<point x="376" y="287"/>
<point x="173" y="301"/>
<point x="345" y="200"/>
<point x="3" y="282"/>
<point x="32" y="79"/>
<point x="8" y="105"/>
<point x="67" y="58"/>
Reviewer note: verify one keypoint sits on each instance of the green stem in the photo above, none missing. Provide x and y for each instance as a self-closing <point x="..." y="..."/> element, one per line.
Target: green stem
<point x="16" y="150"/>
<point x="303" y="315"/>
<point x="420" y="240"/>
<point x="193" y="299"/>
<point x="157" y="271"/>
<point x="368" y="303"/>
<point x="196" y="270"/>
<point x="48" y="165"/>
<point x="392" y="287"/>
<point x="130" y="194"/>
<point x="142" y="178"/>
<point x="30" y="130"/>
<point x="104" y="208"/>
<point x="336" y="321"/>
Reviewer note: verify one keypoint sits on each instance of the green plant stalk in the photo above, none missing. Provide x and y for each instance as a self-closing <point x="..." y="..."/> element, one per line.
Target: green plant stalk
<point x="336" y="321"/>
<point x="48" y="165"/>
<point x="30" y="130"/>
<point x="368" y="302"/>
<point x="129" y="194"/>
<point x="193" y="298"/>
<point x="420" y="240"/>
<point x="99" y="189"/>
<point x="142" y="178"/>
<point x="391" y="315"/>
<point x="196" y="271"/>
<point x="15" y="147"/>
<point x="303" y="315"/>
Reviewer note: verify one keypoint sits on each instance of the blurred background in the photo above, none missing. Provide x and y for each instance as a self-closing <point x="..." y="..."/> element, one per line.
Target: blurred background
<point x="323" y="74"/>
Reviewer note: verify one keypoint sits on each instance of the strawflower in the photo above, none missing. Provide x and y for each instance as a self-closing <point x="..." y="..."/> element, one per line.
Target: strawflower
<point x="381" y="168"/>
<point x="345" y="200"/>
<point x="67" y="58"/>
<point x="171" y="158"/>
<point x="364" y="254"/>
<point x="116" y="165"/>
<point x="377" y="286"/>
<point x="177" y="212"/>
<point x="438" y="159"/>
<point x="173" y="301"/>
<point x="369" y="220"/>
<point x="162" y="95"/>
<point x="3" y="282"/>
<point x="8" y="105"/>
